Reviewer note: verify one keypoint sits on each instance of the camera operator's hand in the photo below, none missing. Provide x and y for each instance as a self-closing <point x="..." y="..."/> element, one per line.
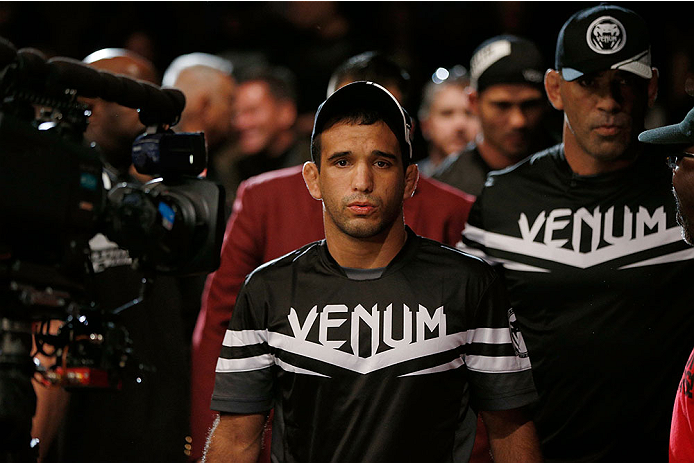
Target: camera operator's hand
<point x="51" y="403"/>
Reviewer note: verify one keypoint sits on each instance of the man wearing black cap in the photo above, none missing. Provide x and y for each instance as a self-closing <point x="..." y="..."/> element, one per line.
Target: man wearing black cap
<point x="587" y="238"/>
<point x="263" y="227"/>
<point x="370" y="344"/>
<point x="507" y="97"/>
<point x="677" y="141"/>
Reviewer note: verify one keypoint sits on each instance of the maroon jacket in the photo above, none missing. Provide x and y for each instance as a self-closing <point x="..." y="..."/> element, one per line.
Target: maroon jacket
<point x="274" y="214"/>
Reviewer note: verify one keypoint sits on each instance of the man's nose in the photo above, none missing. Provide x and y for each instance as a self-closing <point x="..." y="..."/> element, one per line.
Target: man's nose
<point x="362" y="177"/>
<point x="517" y="117"/>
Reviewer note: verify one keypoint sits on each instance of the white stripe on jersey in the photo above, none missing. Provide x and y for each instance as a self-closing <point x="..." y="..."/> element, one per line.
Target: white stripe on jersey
<point x="489" y="336"/>
<point x="674" y="257"/>
<point x="508" y="264"/>
<point x="244" y="338"/>
<point x="292" y="369"/>
<point x="363" y="365"/>
<point x="486" y="364"/>
<point x="496" y="336"/>
<point x="244" y="364"/>
<point x="452" y="365"/>
<point x="570" y="257"/>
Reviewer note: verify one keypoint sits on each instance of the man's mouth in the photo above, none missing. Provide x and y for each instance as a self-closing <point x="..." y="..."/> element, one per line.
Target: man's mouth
<point x="608" y="129"/>
<point x="361" y="208"/>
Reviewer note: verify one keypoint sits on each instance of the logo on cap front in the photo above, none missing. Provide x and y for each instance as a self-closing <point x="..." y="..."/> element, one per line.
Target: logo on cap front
<point x="606" y="35"/>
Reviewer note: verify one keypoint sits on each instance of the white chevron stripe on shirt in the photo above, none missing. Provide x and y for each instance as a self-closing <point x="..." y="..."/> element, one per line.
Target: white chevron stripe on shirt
<point x="685" y="254"/>
<point x="452" y="365"/>
<point x="570" y="257"/>
<point x="301" y="371"/>
<point x="497" y="336"/>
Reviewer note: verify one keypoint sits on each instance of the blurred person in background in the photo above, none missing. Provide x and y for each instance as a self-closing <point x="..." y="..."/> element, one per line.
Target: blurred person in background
<point x="507" y="96"/>
<point x="446" y="118"/>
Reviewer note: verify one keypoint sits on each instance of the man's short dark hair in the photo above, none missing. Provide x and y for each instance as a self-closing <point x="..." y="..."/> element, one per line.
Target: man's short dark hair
<point x="280" y="80"/>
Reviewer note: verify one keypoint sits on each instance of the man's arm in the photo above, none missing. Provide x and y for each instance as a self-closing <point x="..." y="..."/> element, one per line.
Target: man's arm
<point x="512" y="436"/>
<point x="239" y="256"/>
<point x="236" y="438"/>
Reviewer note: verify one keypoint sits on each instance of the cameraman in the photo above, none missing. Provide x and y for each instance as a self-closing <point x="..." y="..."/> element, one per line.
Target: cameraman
<point x="144" y="421"/>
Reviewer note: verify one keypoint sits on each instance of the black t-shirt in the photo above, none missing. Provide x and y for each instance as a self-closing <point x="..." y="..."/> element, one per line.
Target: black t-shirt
<point x="597" y="274"/>
<point x="373" y="370"/>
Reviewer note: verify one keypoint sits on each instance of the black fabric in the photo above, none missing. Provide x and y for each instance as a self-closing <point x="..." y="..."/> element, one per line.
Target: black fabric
<point x="590" y="262"/>
<point x="351" y="381"/>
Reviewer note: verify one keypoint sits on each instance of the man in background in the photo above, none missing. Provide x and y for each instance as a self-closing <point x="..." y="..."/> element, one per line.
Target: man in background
<point x="264" y="118"/>
<point x="111" y="126"/>
<point x="447" y="121"/>
<point x="507" y="97"/>
<point x="210" y="91"/>
<point x="585" y="234"/>
<point x="147" y="419"/>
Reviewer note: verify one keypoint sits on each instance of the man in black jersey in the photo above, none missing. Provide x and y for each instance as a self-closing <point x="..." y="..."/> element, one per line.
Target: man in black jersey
<point x="372" y="344"/>
<point x="587" y="239"/>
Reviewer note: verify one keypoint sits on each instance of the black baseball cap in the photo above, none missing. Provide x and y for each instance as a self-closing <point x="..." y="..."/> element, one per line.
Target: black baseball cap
<point x="363" y="95"/>
<point x="676" y="134"/>
<point x="506" y="59"/>
<point x="601" y="38"/>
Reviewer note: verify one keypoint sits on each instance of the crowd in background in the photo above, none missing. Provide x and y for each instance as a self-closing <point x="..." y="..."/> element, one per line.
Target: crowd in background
<point x="310" y="40"/>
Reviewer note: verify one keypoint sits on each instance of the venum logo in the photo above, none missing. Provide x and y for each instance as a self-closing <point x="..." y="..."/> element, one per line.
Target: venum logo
<point x="516" y="336"/>
<point x="381" y="329"/>
<point x="564" y="227"/>
<point x="606" y="35"/>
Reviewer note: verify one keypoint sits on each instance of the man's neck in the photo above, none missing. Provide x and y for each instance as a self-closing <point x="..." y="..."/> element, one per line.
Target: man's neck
<point x="365" y="253"/>
<point x="491" y="155"/>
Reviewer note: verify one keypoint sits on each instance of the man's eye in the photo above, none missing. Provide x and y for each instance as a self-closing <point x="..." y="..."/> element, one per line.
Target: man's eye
<point x="382" y="164"/>
<point x="341" y="162"/>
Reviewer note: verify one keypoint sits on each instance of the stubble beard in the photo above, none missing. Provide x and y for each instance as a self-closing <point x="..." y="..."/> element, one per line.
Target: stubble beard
<point x="362" y="228"/>
<point x="684" y="222"/>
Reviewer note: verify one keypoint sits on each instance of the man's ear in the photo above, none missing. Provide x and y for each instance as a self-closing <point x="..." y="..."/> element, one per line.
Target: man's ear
<point x="474" y="98"/>
<point x="553" y="87"/>
<point x="411" y="179"/>
<point x="653" y="88"/>
<point x="311" y="178"/>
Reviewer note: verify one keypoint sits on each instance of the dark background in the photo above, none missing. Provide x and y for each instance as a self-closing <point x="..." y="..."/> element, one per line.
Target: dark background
<point x="311" y="38"/>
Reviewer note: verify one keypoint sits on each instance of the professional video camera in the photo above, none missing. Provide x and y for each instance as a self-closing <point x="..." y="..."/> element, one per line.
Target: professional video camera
<point x="53" y="201"/>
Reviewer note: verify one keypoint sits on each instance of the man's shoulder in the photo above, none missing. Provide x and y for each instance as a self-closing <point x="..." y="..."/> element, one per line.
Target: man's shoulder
<point x="443" y="257"/>
<point x="286" y="262"/>
<point x="534" y="165"/>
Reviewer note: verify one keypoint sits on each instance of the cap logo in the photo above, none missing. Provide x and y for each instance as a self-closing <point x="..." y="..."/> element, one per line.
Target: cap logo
<point x="606" y="35"/>
<point x="487" y="56"/>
